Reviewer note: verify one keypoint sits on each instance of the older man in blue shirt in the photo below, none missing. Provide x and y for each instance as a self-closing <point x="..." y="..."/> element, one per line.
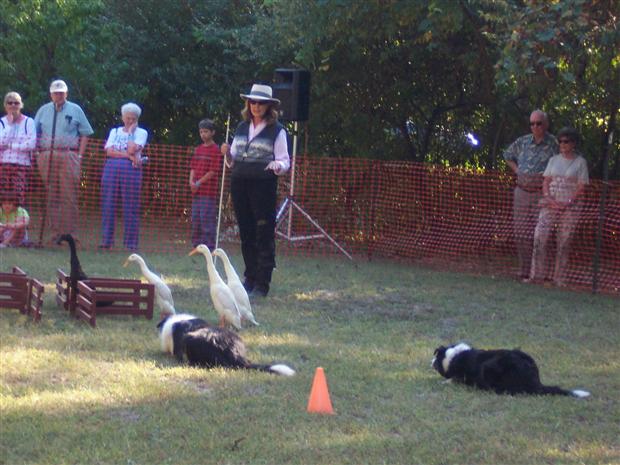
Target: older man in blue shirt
<point x="63" y="130"/>
<point x="527" y="157"/>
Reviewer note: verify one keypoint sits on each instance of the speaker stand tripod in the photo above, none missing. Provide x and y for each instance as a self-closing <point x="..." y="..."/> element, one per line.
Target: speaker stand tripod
<point x="286" y="210"/>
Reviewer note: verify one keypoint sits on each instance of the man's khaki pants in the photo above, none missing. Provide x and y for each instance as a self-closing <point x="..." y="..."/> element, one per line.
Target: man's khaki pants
<point x="525" y="211"/>
<point x="61" y="179"/>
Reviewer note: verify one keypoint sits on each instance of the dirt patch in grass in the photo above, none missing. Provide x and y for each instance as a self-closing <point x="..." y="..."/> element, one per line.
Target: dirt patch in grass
<point x="392" y="305"/>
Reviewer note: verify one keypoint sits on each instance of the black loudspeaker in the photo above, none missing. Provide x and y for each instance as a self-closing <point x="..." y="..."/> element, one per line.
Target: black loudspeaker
<point x="292" y="88"/>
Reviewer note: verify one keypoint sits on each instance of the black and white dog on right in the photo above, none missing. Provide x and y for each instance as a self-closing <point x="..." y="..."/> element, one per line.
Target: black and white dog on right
<point x="503" y="371"/>
<point x="186" y="336"/>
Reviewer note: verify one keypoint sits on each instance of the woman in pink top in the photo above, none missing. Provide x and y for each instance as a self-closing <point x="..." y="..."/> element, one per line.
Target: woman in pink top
<point x="18" y="139"/>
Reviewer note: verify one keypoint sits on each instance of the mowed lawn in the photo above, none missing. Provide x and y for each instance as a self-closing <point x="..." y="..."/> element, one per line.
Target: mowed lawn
<point x="71" y="394"/>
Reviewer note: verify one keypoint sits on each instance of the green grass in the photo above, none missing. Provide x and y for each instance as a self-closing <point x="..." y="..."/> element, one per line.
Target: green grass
<point x="70" y="394"/>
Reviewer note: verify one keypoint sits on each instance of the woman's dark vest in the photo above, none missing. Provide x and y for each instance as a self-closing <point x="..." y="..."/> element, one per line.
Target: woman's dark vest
<point x="253" y="157"/>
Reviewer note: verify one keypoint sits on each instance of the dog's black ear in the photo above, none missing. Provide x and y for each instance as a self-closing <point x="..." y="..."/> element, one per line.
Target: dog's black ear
<point x="439" y="349"/>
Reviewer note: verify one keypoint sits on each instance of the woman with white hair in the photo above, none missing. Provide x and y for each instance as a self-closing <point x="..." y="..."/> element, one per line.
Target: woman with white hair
<point x="18" y="138"/>
<point x="122" y="177"/>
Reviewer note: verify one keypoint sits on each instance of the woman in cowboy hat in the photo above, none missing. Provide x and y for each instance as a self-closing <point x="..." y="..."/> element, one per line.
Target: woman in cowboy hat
<point x="259" y="153"/>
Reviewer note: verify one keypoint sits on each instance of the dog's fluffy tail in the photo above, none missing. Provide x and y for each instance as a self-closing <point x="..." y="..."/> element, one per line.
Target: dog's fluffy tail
<point x="278" y="369"/>
<point x="558" y="391"/>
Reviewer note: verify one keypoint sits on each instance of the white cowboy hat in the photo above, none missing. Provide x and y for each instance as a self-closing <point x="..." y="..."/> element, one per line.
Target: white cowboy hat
<point x="261" y="93"/>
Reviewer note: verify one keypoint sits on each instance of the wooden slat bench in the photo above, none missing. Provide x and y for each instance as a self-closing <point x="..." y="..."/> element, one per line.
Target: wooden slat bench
<point x="63" y="297"/>
<point x="21" y="292"/>
<point x="128" y="297"/>
<point x="35" y="299"/>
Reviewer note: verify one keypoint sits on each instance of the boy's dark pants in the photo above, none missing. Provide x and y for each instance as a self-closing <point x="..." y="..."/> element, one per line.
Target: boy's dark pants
<point x="204" y="220"/>
<point x="254" y="201"/>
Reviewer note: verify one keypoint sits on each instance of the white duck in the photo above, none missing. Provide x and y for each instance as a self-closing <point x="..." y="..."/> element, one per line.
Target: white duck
<point x="221" y="295"/>
<point x="163" y="295"/>
<point x="234" y="283"/>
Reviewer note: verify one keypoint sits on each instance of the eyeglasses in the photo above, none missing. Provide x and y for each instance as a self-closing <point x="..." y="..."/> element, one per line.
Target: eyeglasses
<point x="536" y="123"/>
<point x="12" y="103"/>
<point x="565" y="141"/>
<point x="257" y="102"/>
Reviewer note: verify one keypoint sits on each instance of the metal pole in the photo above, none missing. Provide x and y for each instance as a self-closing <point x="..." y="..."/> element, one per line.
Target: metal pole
<point x="290" y="203"/>
<point x="292" y="189"/>
<point x="219" y="211"/>
<point x="601" y="213"/>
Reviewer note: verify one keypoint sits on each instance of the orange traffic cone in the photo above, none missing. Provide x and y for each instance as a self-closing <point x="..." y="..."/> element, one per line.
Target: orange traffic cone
<point x="319" y="401"/>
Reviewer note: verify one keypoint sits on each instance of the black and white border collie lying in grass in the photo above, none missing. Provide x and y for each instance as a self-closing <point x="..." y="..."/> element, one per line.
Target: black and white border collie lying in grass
<point x="503" y="371"/>
<point x="186" y="336"/>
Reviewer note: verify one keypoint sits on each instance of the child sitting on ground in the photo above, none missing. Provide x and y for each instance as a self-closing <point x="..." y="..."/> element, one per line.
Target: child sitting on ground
<point x="13" y="222"/>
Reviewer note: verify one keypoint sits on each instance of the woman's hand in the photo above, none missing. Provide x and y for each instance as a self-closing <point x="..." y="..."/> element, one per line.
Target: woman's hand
<point x="549" y="202"/>
<point x="556" y="205"/>
<point x="225" y="149"/>
<point x="274" y="166"/>
<point x="132" y="148"/>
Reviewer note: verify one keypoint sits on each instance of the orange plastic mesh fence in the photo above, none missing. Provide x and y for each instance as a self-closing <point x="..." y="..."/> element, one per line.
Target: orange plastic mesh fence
<point x="448" y="217"/>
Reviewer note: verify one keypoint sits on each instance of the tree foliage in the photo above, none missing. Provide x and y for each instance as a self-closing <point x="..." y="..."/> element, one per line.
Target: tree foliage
<point x="192" y="56"/>
<point x="566" y="53"/>
<point x="390" y="78"/>
<point x="43" y="40"/>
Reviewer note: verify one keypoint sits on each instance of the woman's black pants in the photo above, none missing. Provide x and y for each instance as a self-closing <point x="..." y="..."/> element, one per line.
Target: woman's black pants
<point x="254" y="201"/>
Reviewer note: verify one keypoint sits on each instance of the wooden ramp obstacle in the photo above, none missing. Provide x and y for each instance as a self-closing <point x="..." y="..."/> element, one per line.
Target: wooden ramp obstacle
<point x="125" y="297"/>
<point x="21" y="292"/>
